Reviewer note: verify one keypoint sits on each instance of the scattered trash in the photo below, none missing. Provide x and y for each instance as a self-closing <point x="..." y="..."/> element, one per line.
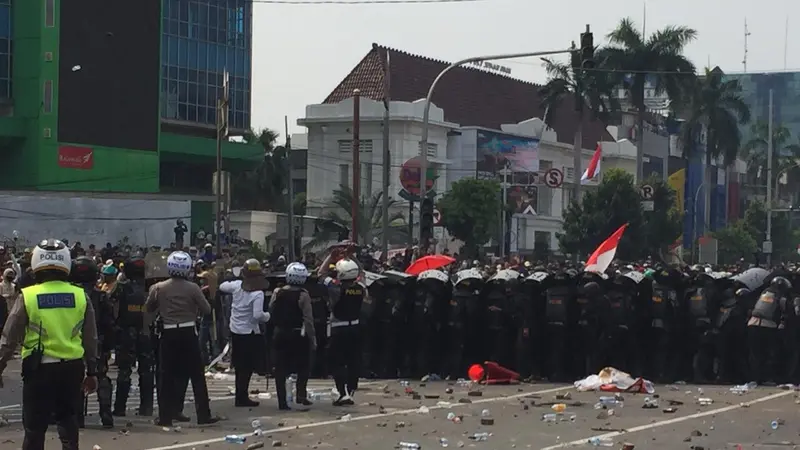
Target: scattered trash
<point x="650" y="403"/>
<point x="776" y="423"/>
<point x="550" y="417"/>
<point x="480" y="436"/>
<point x="558" y="417"/>
<point x="276" y="444"/>
<point x="97" y="447"/>
<point x="264" y="396"/>
<point x="423" y="410"/>
<point x="605" y="402"/>
<point x="475" y="393"/>
<point x="565" y="396"/>
<point x="346" y="418"/>
<point x="255" y="445"/>
<point x="601" y="442"/>
<point x="444" y="442"/>
<point x="669" y="410"/>
<point x="704" y="401"/>
<point x="409" y="445"/>
<point x="443" y="404"/>
<point x="256" y="424"/>
<point x="787" y="387"/>
<point x="743" y="388"/>
<point x="486" y="417"/>
<point x="612" y="380"/>
<point x="235" y="439"/>
<point x="448" y="390"/>
<point x="559" y="407"/>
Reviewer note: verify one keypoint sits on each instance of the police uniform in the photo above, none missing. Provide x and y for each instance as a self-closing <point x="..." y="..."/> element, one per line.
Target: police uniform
<point x="292" y="340"/>
<point x="179" y="301"/>
<point x="57" y="325"/>
<point x="134" y="345"/>
<point x="344" y="345"/>
<point x="762" y="329"/>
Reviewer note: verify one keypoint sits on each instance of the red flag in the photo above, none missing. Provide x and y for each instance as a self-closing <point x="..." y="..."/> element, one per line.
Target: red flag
<point x="593" y="170"/>
<point x="602" y="257"/>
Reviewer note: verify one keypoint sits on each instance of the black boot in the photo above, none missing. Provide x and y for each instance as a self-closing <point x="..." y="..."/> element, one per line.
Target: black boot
<point x="121" y="401"/>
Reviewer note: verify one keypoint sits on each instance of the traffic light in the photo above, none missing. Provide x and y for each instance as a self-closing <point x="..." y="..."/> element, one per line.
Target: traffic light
<point x="587" y="49"/>
<point x="425" y="221"/>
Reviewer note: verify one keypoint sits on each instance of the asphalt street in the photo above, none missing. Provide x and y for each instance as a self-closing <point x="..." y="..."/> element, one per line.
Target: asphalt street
<point x="388" y="413"/>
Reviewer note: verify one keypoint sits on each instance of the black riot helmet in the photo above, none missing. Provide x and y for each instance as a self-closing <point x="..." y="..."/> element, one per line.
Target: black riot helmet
<point x="780" y="284"/>
<point x="84" y="270"/>
<point x="592" y="289"/>
<point x="134" y="268"/>
<point x="742" y="293"/>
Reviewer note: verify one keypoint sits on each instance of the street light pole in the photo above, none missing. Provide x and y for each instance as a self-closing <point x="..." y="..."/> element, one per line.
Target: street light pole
<point x="695" y="245"/>
<point x="768" y="241"/>
<point x="423" y="166"/>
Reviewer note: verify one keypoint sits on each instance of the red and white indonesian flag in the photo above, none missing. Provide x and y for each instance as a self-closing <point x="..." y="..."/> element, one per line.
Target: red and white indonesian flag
<point x="593" y="170"/>
<point x="602" y="257"/>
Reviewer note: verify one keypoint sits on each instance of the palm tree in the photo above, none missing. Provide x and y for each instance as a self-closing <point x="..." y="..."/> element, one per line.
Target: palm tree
<point x="334" y="226"/>
<point x="658" y="59"/>
<point x="591" y="91"/>
<point x="262" y="188"/>
<point x="716" y="105"/>
<point x="785" y="156"/>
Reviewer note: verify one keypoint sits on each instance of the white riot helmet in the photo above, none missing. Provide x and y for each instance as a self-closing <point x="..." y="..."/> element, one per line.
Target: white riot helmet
<point x="179" y="264"/>
<point x="347" y="269"/>
<point x="296" y="273"/>
<point x="51" y="254"/>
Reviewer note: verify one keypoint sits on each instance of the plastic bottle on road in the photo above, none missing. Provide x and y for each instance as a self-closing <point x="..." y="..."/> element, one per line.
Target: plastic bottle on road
<point x="608" y="402"/>
<point x="289" y="390"/>
<point x="234" y="439"/>
<point x="601" y="442"/>
<point x="480" y="436"/>
<point x="444" y="442"/>
<point x="550" y="417"/>
<point x="409" y="445"/>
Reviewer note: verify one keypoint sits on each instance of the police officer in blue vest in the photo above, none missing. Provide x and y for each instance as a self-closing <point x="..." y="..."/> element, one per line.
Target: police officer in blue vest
<point x="56" y="323"/>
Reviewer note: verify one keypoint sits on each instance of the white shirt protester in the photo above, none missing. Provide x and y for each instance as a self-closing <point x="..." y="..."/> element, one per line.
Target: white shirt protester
<point x="247" y="308"/>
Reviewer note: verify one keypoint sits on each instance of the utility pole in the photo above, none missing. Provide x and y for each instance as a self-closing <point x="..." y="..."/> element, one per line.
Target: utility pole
<point x="222" y="133"/>
<point x="503" y="212"/>
<point x="356" y="162"/>
<point x="768" y="242"/>
<point x="290" y="188"/>
<point x="386" y="157"/>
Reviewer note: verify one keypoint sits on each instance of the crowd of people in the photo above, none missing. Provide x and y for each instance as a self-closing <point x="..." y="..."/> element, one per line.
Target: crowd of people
<point x="350" y="316"/>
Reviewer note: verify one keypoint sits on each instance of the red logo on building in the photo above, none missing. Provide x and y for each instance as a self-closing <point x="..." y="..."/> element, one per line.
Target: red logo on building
<point x="75" y="157"/>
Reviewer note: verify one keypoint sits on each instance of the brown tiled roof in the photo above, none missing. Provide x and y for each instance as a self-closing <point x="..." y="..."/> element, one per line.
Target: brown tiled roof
<point x="469" y="96"/>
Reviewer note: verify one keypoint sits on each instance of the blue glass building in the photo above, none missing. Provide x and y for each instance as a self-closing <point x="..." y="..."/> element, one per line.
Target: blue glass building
<point x="201" y="39"/>
<point x="5" y="49"/>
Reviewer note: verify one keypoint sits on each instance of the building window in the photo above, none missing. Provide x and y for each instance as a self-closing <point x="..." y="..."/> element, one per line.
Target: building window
<point x="433" y="149"/>
<point x="5" y="48"/>
<point x="47" y="97"/>
<point x="299" y="186"/>
<point x="49" y="13"/>
<point x="545" y="200"/>
<point x="201" y="41"/>
<point x="346" y="145"/>
<point x="541" y="240"/>
<point x="366" y="180"/>
<point x="344" y="172"/>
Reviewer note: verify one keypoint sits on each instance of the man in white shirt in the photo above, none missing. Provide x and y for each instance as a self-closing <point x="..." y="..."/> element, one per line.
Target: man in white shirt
<point x="247" y="313"/>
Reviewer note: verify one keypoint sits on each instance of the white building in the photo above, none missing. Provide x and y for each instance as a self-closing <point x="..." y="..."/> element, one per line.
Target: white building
<point x="456" y="151"/>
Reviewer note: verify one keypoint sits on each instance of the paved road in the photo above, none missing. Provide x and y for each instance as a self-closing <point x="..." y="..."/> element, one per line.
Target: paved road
<point x="386" y="415"/>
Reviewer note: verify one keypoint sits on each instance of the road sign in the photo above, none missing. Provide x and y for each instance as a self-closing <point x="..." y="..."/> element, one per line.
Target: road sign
<point x="647" y="205"/>
<point x="437" y="218"/>
<point x="554" y="178"/>
<point x="647" y="192"/>
<point x="529" y="210"/>
<point x="767" y="247"/>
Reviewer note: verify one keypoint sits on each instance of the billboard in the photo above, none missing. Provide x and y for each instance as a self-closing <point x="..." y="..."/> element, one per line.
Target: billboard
<point x="521" y="155"/>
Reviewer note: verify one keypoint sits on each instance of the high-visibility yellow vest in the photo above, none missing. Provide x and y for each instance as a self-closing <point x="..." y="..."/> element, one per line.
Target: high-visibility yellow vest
<point x="56" y="312"/>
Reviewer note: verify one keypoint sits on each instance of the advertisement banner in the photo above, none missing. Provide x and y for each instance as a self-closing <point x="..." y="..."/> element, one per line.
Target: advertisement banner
<point x="71" y="157"/>
<point x="496" y="150"/>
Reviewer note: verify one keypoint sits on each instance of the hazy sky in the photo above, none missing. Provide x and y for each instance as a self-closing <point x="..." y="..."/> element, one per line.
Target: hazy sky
<point x="301" y="52"/>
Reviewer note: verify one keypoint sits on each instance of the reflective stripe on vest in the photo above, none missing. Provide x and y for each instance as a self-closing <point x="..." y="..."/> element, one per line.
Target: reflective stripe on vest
<point x="56" y="312"/>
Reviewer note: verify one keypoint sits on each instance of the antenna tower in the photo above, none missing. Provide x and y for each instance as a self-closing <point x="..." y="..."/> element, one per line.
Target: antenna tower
<point x="746" y="34"/>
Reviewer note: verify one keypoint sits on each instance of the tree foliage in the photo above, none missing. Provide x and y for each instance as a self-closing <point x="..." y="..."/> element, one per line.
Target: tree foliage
<point x="263" y="188"/>
<point x="615" y="202"/>
<point x="785" y="153"/>
<point x="755" y="218"/>
<point x="335" y="224"/>
<point x="470" y="210"/>
<point x="735" y="242"/>
<point x="663" y="225"/>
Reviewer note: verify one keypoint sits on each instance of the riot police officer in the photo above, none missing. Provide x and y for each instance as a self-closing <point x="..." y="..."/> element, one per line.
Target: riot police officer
<point x="588" y="302"/>
<point x="293" y="338"/>
<point x="466" y="290"/>
<point x="617" y="337"/>
<point x="84" y="274"/>
<point x="662" y="333"/>
<point x="47" y="316"/>
<point x="344" y="348"/>
<point x="559" y="298"/>
<point x="134" y="345"/>
<point x="762" y="328"/>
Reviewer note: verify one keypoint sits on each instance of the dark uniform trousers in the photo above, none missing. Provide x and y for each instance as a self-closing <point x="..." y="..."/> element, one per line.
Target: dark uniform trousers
<point x="181" y="362"/>
<point x="135" y="347"/>
<point x="51" y="389"/>
<point x="291" y="350"/>
<point x="345" y="356"/>
<point x="104" y="392"/>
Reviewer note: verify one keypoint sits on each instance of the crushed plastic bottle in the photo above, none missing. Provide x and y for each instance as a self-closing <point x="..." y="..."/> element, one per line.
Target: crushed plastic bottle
<point x="264" y="396"/>
<point x="650" y="403"/>
<point x="256" y="424"/>
<point x="409" y="445"/>
<point x="704" y="401"/>
<point x="423" y="410"/>
<point x="444" y="442"/>
<point x="774" y="424"/>
<point x="601" y="442"/>
<point x="550" y="417"/>
<point x="451" y="416"/>
<point x="741" y="389"/>
<point x="486" y="414"/>
<point x="480" y="436"/>
<point x="404" y="383"/>
<point x="346" y="418"/>
<point x="235" y="439"/>
<point x="444" y="404"/>
<point x="606" y="402"/>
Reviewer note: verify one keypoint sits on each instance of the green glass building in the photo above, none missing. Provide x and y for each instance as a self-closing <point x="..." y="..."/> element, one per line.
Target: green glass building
<point x="119" y="96"/>
<point x="786" y="99"/>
